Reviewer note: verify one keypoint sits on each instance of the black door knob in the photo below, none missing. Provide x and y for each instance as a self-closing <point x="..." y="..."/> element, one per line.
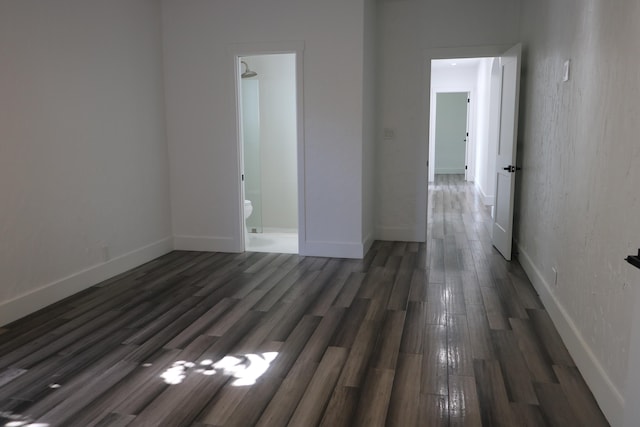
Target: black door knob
<point x="511" y="168"/>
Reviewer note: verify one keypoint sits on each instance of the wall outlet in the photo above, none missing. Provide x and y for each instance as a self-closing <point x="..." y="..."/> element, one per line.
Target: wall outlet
<point x="389" y="133"/>
<point x="104" y="253"/>
<point x="555" y="275"/>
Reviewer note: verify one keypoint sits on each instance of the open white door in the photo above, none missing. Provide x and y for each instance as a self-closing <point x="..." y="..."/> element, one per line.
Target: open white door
<point x="506" y="154"/>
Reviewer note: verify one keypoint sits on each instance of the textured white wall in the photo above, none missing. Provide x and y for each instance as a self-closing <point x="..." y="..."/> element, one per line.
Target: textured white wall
<point x="578" y="192"/>
<point x="83" y="156"/>
<point x="407" y="30"/>
<point x="201" y="116"/>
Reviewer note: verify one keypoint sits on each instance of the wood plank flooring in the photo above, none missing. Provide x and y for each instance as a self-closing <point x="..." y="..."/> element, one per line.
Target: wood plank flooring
<point x="439" y="334"/>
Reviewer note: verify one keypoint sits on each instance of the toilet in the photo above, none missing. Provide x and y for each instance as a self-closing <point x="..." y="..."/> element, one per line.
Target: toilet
<point x="248" y="208"/>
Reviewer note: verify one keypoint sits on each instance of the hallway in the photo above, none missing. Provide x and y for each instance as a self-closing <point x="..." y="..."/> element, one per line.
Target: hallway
<point x="442" y="334"/>
<point x="502" y="346"/>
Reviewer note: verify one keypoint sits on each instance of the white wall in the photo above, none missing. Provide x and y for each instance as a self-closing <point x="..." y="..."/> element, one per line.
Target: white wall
<point x="200" y="38"/>
<point x="578" y="192"/>
<point x="369" y="128"/>
<point x="278" y="139"/>
<point x="485" y="138"/>
<point x="83" y="158"/>
<point x="409" y="31"/>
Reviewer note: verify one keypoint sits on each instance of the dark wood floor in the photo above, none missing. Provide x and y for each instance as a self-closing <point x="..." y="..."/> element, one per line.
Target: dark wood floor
<point x="442" y="334"/>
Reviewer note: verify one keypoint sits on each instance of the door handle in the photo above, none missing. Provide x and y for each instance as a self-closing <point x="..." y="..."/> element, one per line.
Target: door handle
<point x="511" y="168"/>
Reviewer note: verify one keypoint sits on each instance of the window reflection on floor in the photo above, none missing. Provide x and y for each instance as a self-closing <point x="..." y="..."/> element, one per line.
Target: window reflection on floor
<point x="246" y="368"/>
<point x="17" y="420"/>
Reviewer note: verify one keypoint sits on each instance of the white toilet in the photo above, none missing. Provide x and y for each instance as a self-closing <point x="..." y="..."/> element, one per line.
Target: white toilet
<point x="248" y="208"/>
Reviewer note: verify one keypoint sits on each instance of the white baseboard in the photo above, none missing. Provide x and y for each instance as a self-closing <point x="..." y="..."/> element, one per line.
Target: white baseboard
<point x="279" y="230"/>
<point x="332" y="249"/>
<point x="206" y="244"/>
<point x="487" y="200"/>
<point x="449" y="171"/>
<point x="608" y="396"/>
<point x="39" y="298"/>
<point x="366" y="245"/>
<point x="400" y="234"/>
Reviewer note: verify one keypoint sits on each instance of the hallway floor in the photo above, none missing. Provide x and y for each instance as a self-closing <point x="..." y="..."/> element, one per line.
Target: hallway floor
<point x="439" y="334"/>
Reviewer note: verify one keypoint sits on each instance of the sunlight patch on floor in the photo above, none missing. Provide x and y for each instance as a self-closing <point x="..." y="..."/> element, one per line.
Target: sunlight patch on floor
<point x="17" y="420"/>
<point x="246" y="369"/>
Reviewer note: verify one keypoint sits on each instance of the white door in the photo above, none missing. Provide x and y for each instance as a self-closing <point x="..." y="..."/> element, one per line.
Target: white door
<point x="467" y="151"/>
<point x="506" y="153"/>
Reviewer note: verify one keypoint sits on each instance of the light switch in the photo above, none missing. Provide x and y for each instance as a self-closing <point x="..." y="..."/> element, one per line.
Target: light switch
<point x="389" y="133"/>
<point x="565" y="72"/>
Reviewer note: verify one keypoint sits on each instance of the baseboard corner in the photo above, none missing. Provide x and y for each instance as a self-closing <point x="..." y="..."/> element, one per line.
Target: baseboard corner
<point x="57" y="290"/>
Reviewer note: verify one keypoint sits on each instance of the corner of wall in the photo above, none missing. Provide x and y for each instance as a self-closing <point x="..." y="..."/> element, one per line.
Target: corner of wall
<point x="206" y="244"/>
<point x="333" y="249"/>
<point x="401" y="234"/>
<point x="367" y="243"/>
<point x="486" y="200"/>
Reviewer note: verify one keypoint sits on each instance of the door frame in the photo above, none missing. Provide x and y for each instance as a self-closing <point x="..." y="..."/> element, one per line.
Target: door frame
<point x="236" y="51"/>
<point x="484" y="51"/>
<point x="502" y="232"/>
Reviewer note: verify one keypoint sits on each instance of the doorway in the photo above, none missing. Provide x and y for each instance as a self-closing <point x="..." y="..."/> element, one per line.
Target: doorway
<point x="494" y="108"/>
<point x="469" y="78"/>
<point x="267" y="111"/>
<point x="451" y="133"/>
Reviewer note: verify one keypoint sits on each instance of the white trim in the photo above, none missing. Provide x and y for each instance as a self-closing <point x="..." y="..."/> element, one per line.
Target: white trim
<point x="486" y="200"/>
<point x="401" y="234"/>
<point x="206" y="244"/>
<point x="608" y="396"/>
<point x="268" y="230"/>
<point x="450" y="171"/>
<point x="333" y="249"/>
<point x="55" y="291"/>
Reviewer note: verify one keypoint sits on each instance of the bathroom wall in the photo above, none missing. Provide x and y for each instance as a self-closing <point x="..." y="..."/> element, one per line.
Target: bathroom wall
<point x="83" y="158"/>
<point x="578" y="202"/>
<point x="200" y="38"/>
<point x="278" y="140"/>
<point x="410" y="31"/>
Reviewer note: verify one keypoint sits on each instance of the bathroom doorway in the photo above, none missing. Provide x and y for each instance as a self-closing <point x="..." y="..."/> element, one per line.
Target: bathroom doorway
<point x="269" y="145"/>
